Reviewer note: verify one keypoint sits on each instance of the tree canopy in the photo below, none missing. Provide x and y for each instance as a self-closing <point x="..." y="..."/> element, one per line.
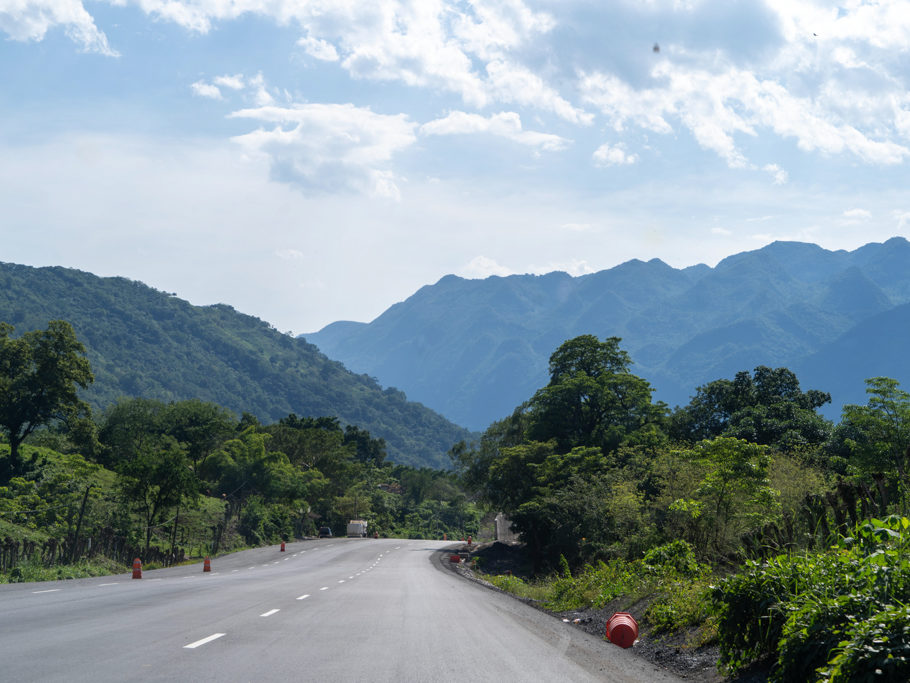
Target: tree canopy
<point x="766" y="407"/>
<point x="592" y="399"/>
<point x="40" y="373"/>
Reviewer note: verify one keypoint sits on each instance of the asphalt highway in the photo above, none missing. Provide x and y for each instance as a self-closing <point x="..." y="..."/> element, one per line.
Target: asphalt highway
<point x="327" y="610"/>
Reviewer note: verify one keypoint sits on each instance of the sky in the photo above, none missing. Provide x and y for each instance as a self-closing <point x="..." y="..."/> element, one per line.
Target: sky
<point x="307" y="161"/>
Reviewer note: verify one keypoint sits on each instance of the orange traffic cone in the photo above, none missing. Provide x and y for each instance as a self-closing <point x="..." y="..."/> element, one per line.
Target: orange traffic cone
<point x="137" y="568"/>
<point x="207" y="565"/>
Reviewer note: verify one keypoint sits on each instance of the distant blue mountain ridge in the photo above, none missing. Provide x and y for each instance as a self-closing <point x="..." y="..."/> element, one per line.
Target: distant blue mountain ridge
<point x="475" y="349"/>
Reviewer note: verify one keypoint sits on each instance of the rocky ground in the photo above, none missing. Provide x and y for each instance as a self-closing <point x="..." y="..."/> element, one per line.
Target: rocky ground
<point x="674" y="652"/>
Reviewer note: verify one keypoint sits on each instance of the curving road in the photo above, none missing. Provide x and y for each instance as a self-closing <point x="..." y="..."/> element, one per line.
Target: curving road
<point x="328" y="610"/>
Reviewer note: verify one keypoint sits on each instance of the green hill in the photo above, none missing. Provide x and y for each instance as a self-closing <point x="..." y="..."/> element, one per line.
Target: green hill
<point x="142" y="342"/>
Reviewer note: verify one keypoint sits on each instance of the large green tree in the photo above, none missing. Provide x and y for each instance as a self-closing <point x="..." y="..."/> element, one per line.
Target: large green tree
<point x="766" y="407"/>
<point x="40" y="373"/>
<point x="877" y="435"/>
<point x="592" y="399"/>
<point x="156" y="480"/>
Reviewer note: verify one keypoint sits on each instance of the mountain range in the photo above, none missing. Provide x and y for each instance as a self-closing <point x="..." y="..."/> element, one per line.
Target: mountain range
<point x="146" y="343"/>
<point x="475" y="349"/>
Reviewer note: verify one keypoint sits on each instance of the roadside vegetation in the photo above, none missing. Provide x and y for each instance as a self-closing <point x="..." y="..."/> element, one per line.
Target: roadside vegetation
<point x="83" y="494"/>
<point x="743" y="519"/>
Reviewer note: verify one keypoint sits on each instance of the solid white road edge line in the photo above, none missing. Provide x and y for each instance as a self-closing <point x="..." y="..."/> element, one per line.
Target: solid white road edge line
<point x="207" y="639"/>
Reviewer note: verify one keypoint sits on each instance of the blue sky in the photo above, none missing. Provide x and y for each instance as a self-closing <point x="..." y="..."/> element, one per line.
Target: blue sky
<point x="307" y="161"/>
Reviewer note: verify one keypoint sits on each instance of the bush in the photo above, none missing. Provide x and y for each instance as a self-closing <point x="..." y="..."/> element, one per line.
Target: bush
<point x="751" y="610"/>
<point x="878" y="649"/>
<point x="813" y="632"/>
<point x="680" y="603"/>
<point x="803" y="608"/>
<point x="678" y="555"/>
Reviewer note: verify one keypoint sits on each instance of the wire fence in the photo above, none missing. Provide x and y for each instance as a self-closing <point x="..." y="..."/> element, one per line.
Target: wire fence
<point x="106" y="544"/>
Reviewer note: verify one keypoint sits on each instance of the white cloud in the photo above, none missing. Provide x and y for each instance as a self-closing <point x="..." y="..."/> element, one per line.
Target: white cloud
<point x="504" y="124"/>
<point x="289" y="254"/>
<point x="716" y="106"/>
<point x="256" y="89"/>
<point x="857" y="214"/>
<point x="605" y="155"/>
<point x="319" y="49"/>
<point x="203" y="89"/>
<point x="723" y="232"/>
<point x="516" y="84"/>
<point x="482" y="267"/>
<point x="236" y="82"/>
<point x="329" y="147"/>
<point x="574" y="267"/>
<point x="883" y="24"/>
<point x="779" y="175"/>
<point x="26" y="20"/>
<point x="902" y="218"/>
<point x="461" y="47"/>
<point x="261" y="96"/>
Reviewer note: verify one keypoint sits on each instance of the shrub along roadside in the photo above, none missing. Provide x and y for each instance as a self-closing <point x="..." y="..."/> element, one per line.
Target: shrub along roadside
<point x="669" y="579"/>
<point x="823" y="616"/>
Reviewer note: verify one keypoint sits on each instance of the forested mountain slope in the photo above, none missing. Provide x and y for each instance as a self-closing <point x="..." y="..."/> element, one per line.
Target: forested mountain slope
<point x="142" y="342"/>
<point x="474" y="349"/>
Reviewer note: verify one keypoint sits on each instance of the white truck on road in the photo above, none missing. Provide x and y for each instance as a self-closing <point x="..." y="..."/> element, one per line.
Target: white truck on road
<point x="357" y="528"/>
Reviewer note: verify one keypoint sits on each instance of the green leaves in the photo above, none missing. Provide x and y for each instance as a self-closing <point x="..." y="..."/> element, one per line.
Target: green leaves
<point x="766" y="407"/>
<point x="39" y="375"/>
<point x="839" y="615"/>
<point x="592" y="399"/>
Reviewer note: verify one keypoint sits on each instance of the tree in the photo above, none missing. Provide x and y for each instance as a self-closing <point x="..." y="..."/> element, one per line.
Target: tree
<point x="39" y="375"/>
<point x="367" y="449"/>
<point x="879" y="433"/>
<point x="157" y="479"/>
<point x="767" y="407"/>
<point x="735" y="493"/>
<point x="592" y="398"/>
<point x="200" y="426"/>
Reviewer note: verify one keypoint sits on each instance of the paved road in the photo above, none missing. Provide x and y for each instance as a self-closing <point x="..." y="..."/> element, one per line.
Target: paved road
<point x="329" y="610"/>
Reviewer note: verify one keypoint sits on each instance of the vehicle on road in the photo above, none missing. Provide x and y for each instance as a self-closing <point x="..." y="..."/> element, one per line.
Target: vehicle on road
<point x="357" y="528"/>
<point x="325" y="532"/>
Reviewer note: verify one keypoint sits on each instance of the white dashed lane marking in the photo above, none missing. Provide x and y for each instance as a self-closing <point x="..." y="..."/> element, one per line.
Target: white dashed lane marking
<point x="304" y="597"/>
<point x="207" y="639"/>
<point x="270" y="613"/>
<point x="50" y="590"/>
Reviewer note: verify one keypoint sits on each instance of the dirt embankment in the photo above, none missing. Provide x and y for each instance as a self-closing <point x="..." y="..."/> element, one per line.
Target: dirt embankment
<point x="673" y="652"/>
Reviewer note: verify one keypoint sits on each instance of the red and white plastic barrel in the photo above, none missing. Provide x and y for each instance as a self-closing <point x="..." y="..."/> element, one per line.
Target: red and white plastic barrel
<point x="622" y="629"/>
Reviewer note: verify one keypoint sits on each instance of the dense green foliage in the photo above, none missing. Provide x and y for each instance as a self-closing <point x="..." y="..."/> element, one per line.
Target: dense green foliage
<point x="818" y="614"/>
<point x="40" y="373"/>
<point x="165" y="481"/>
<point x="747" y="486"/>
<point x="765" y="408"/>
<point x="145" y="343"/>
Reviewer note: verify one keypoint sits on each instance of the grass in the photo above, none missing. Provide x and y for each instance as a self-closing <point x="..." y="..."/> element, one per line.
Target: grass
<point x="674" y="600"/>
<point x="33" y="571"/>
